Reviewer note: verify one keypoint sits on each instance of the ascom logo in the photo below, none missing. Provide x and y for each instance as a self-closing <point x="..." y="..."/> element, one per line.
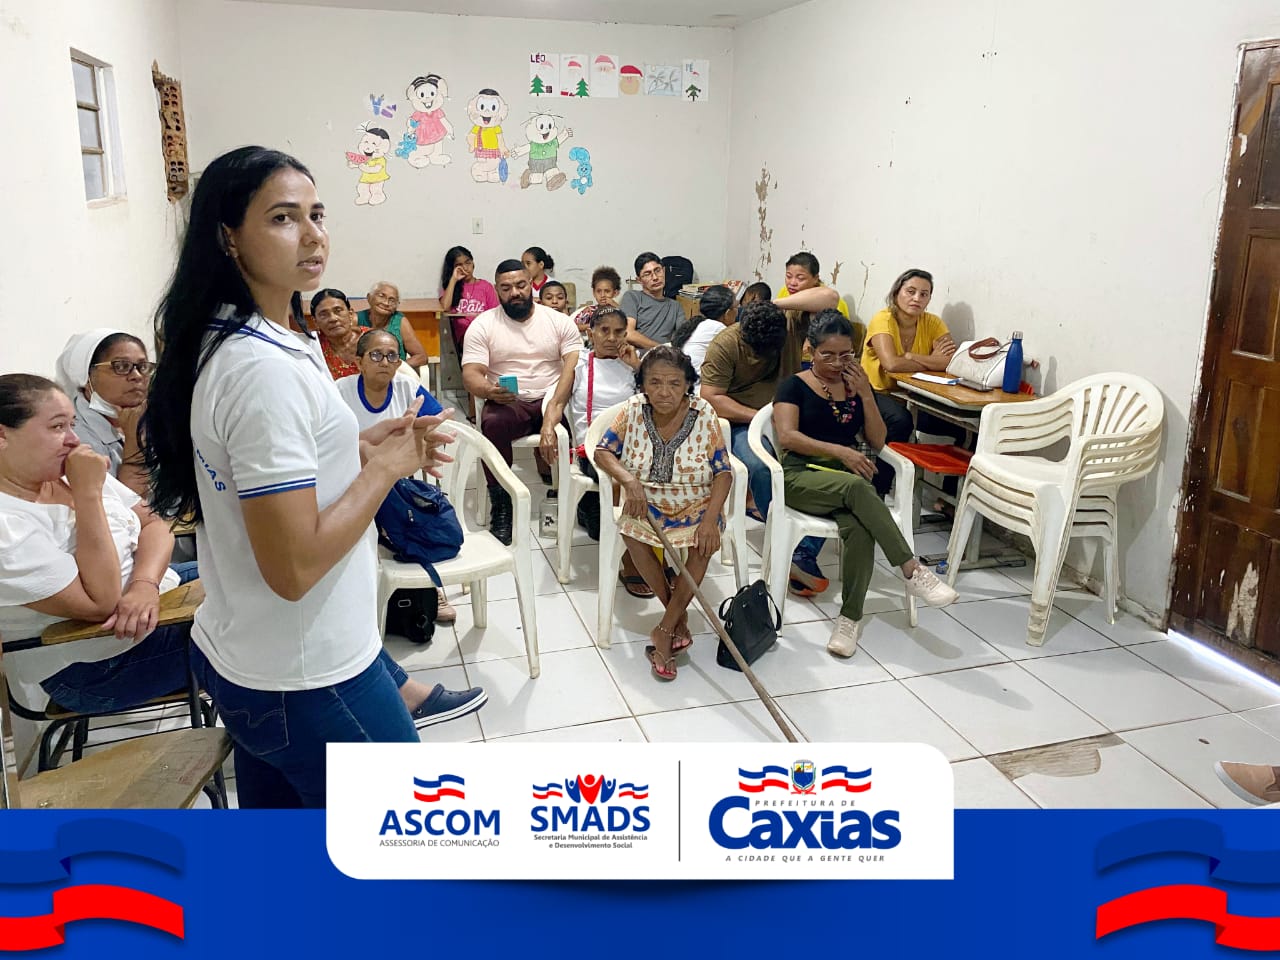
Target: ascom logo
<point x="417" y="826"/>
<point x="588" y="803"/>
<point x="826" y="818"/>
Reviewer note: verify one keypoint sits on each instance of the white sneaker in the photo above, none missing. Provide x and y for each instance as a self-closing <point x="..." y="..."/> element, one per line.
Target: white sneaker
<point x="844" y="639"/>
<point x="925" y="585"/>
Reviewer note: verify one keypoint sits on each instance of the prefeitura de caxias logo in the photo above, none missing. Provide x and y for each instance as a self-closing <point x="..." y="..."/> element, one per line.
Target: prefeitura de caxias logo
<point x="588" y="803"/>
<point x="802" y="805"/>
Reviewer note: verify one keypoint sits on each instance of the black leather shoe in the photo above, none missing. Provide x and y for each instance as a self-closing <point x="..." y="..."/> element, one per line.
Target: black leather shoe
<point x="500" y="515"/>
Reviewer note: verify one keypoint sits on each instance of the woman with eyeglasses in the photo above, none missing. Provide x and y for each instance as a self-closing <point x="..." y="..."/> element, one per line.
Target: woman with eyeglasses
<point x="819" y="415"/>
<point x="376" y="393"/>
<point x="106" y="373"/>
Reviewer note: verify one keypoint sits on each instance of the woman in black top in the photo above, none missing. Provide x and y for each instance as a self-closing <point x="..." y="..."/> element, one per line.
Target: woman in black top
<point x="818" y="414"/>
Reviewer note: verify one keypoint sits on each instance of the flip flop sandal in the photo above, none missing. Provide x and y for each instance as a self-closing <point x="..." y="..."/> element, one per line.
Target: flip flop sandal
<point x="636" y="587"/>
<point x="681" y="639"/>
<point x="800" y="589"/>
<point x="657" y="660"/>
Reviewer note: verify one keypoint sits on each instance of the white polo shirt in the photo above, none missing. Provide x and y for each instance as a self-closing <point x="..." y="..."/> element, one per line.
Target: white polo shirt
<point x="266" y="418"/>
<point x="401" y="394"/>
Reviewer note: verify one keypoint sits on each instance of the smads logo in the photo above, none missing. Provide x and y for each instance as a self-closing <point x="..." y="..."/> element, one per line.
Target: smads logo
<point x="589" y="803"/>
<point x="785" y="808"/>
<point x="420" y="826"/>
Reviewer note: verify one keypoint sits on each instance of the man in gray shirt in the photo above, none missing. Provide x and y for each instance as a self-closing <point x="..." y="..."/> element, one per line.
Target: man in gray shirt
<point x="652" y="318"/>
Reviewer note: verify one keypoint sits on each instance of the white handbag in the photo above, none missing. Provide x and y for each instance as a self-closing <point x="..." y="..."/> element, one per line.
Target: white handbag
<point x="980" y="361"/>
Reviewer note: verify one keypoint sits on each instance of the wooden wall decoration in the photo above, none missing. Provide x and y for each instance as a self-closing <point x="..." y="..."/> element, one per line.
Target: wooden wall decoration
<point x="173" y="133"/>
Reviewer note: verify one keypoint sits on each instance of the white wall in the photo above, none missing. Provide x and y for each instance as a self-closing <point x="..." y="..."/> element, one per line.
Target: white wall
<point x="298" y="78"/>
<point x="1057" y="167"/>
<point x="65" y="265"/>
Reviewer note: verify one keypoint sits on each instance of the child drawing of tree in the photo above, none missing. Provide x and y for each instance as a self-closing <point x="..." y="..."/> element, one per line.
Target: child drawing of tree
<point x="582" y="88"/>
<point x="536" y="88"/>
<point x="693" y="93"/>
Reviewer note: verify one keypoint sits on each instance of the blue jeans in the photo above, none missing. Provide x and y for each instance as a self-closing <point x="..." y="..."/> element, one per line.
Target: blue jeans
<point x="153" y="668"/>
<point x="761" y="485"/>
<point x="280" y="735"/>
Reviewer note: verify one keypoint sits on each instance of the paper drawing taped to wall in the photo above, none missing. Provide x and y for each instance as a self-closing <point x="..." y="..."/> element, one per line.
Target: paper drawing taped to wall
<point x="573" y="75"/>
<point x="630" y="80"/>
<point x="695" y="81"/>
<point x="662" y="80"/>
<point x="370" y="158"/>
<point x="604" y="75"/>
<point x="544" y="74"/>
<point x="582" y="156"/>
<point x="546" y="132"/>
<point x="487" y="110"/>
<point x="428" y="126"/>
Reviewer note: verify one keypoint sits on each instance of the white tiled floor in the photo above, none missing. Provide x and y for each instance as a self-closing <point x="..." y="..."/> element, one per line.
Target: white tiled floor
<point x="964" y="681"/>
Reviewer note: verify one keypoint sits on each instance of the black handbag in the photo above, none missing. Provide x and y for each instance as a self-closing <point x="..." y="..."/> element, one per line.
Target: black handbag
<point x="412" y="613"/>
<point x="752" y="620"/>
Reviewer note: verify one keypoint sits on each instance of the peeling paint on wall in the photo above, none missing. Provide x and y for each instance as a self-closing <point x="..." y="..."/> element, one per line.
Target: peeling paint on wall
<point x="766" y="232"/>
<point x="1244" y="608"/>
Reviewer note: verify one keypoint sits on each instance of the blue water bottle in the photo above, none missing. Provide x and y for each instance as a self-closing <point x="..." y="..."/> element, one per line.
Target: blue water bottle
<point x="1013" y="364"/>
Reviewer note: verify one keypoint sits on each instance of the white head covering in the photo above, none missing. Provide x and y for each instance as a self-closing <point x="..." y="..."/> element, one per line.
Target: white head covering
<point x="73" y="362"/>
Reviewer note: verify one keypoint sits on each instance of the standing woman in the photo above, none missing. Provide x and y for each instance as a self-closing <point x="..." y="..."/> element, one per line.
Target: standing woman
<point x="539" y="264"/>
<point x="247" y="432"/>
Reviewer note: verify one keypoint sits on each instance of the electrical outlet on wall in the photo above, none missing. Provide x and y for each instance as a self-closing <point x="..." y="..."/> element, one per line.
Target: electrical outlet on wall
<point x="477" y="225"/>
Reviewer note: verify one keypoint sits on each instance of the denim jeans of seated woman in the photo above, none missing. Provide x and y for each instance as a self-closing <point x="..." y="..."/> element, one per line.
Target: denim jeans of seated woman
<point x="761" y="484"/>
<point x="280" y="735"/>
<point x="153" y="668"/>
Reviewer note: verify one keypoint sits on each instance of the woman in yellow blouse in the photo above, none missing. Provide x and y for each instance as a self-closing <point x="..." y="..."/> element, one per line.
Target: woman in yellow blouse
<point x="928" y="346"/>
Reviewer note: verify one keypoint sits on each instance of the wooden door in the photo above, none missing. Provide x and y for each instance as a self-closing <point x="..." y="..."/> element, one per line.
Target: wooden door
<point x="1227" y="577"/>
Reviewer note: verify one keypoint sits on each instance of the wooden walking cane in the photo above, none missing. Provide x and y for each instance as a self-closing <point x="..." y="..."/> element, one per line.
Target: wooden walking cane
<point x="714" y="618"/>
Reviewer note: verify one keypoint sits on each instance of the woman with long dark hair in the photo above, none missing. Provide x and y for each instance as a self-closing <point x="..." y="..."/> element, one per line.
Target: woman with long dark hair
<point x="463" y="295"/>
<point x="246" y="432"/>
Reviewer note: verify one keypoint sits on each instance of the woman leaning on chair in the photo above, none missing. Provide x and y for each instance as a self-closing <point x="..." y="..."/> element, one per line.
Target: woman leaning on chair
<point x="665" y="450"/>
<point x="75" y="543"/>
<point x="818" y="414"/>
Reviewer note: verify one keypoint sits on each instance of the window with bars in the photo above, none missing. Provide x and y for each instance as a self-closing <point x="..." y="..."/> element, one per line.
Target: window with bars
<point x="99" y="140"/>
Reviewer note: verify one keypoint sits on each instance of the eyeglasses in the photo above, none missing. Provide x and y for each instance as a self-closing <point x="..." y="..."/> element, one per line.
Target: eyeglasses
<point x="826" y="357"/>
<point x="650" y="273"/>
<point x="122" y="368"/>
<point x="378" y="356"/>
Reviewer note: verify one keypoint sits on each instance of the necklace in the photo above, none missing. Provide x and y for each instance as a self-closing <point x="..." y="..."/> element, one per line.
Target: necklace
<point x="841" y="411"/>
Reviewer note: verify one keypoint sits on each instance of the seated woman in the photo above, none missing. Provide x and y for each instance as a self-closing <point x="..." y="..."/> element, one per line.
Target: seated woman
<point x="716" y="310"/>
<point x="904" y="338"/>
<point x="106" y="372"/>
<point x="463" y="295"/>
<point x="377" y="393"/>
<point x="75" y="543"/>
<point x="605" y="375"/>
<point x="539" y="264"/>
<point x="818" y="414"/>
<point x="383" y="314"/>
<point x="665" y="450"/>
<point x="755" y="292"/>
<point x="337" y="332"/>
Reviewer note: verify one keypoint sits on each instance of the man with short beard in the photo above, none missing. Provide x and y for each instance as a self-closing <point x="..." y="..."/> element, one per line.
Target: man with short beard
<point x="527" y="341"/>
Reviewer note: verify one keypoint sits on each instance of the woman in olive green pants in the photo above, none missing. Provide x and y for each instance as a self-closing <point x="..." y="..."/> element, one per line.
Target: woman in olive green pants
<point x="818" y="415"/>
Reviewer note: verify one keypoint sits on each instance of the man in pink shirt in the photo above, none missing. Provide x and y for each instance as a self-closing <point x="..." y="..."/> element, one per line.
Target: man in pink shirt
<point x="531" y="343"/>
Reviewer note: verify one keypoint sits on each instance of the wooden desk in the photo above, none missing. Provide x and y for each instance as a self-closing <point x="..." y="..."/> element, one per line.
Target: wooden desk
<point x="176" y="606"/>
<point x="956" y="397"/>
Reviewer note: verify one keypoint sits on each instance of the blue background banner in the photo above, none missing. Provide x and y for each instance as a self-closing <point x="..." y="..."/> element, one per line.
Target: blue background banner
<point x="260" y="884"/>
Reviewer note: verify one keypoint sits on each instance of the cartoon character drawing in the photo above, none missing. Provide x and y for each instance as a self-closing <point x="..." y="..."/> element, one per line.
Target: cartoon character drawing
<point x="370" y="158"/>
<point x="545" y="132"/>
<point x="582" y="157"/>
<point x="487" y="110"/>
<point x="629" y="79"/>
<point x="428" y="124"/>
<point x="381" y="108"/>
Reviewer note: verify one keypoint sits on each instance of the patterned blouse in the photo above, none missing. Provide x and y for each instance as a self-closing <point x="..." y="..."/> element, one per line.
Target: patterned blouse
<point x="676" y="474"/>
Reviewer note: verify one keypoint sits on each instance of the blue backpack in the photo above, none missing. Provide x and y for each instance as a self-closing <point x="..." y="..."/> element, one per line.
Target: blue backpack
<point x="418" y="524"/>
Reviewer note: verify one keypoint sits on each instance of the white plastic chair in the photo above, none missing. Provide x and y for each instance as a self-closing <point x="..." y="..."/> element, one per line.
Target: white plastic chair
<point x="612" y="547"/>
<point x="482" y="555"/>
<point x="1112" y="422"/>
<point x="786" y="526"/>
<point x="482" y="485"/>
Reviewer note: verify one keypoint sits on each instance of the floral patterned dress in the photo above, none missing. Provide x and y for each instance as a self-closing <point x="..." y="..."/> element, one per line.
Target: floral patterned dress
<point x="676" y="476"/>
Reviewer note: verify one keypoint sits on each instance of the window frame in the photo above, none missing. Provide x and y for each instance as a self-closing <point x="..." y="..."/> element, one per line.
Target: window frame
<point x="105" y="120"/>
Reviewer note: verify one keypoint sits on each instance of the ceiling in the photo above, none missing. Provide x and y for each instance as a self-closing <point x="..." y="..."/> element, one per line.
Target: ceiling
<point x="680" y="13"/>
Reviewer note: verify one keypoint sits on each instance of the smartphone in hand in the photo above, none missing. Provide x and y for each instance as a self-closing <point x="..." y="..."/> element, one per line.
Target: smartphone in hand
<point x="509" y="384"/>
